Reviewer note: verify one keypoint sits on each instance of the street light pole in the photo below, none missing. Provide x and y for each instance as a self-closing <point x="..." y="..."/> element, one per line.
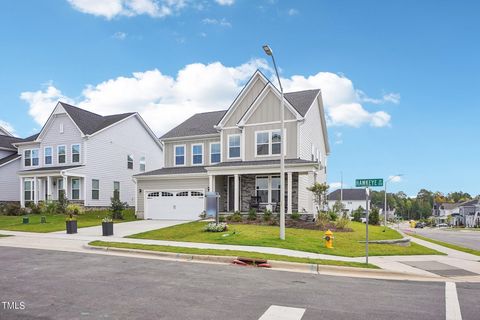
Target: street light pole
<point x="269" y="52"/>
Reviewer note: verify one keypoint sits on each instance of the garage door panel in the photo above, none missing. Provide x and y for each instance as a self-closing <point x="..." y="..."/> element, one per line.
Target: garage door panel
<point x="174" y="204"/>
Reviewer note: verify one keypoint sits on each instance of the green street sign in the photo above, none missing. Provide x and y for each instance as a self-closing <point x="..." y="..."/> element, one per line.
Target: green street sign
<point x="359" y="183"/>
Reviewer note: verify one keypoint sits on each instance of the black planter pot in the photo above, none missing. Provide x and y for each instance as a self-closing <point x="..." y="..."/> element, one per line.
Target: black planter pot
<point x="26" y="220"/>
<point x="71" y="226"/>
<point x="107" y="228"/>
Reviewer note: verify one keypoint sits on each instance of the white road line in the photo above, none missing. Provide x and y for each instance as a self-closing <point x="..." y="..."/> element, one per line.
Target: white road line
<point x="282" y="313"/>
<point x="452" y="306"/>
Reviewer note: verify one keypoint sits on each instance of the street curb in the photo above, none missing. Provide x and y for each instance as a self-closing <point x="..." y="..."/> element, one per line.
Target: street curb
<point x="281" y="265"/>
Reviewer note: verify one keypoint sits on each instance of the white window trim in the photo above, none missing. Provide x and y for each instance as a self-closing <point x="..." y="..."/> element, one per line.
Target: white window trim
<point x="58" y="154"/>
<point x="269" y="189"/>
<point x="184" y="155"/>
<point x="203" y="154"/>
<point x="91" y="195"/>
<point x="228" y="146"/>
<point x="133" y="161"/>
<point x="210" y="151"/>
<point x="31" y="157"/>
<point x="144" y="162"/>
<point x="79" y="152"/>
<point x="79" y="188"/>
<point x="24" y="157"/>
<point x="32" y="189"/>
<point x="61" y="128"/>
<point x="270" y="143"/>
<point x="45" y="155"/>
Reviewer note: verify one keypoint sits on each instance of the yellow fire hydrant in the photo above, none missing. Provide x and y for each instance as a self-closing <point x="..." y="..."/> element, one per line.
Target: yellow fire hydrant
<point x="328" y="239"/>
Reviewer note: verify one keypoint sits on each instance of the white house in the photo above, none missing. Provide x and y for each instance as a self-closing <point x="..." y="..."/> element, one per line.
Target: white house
<point x="86" y="156"/>
<point x="352" y="199"/>
<point x="236" y="152"/>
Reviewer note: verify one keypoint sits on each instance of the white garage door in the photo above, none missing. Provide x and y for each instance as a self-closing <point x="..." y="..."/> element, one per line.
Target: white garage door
<point x="174" y="204"/>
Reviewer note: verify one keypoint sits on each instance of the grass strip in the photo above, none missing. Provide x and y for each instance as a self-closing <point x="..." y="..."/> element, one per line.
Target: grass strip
<point x="234" y="253"/>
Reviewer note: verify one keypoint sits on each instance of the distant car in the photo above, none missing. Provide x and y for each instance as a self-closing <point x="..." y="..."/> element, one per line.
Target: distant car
<point x="420" y="225"/>
<point x="363" y="220"/>
<point x="442" y="225"/>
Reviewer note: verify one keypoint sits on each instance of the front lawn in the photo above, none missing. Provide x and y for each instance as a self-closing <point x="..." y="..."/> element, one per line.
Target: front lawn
<point x="345" y="243"/>
<point x="57" y="222"/>
<point x="231" y="253"/>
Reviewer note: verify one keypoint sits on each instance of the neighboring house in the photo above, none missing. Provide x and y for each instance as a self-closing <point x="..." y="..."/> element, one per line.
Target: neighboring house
<point x="236" y="153"/>
<point x="9" y="166"/>
<point x="352" y="199"/>
<point x="390" y="211"/>
<point x="4" y="132"/>
<point x="443" y="212"/>
<point x="469" y="214"/>
<point x="86" y="156"/>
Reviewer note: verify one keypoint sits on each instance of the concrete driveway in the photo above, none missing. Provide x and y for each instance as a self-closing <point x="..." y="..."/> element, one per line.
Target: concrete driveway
<point x="128" y="228"/>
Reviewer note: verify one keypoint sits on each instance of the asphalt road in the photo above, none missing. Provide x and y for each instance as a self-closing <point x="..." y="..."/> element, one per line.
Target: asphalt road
<point x="63" y="285"/>
<point x="468" y="239"/>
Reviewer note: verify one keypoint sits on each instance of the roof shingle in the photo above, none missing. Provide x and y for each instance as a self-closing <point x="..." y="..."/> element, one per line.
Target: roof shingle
<point x="6" y="141"/>
<point x="348" y="194"/>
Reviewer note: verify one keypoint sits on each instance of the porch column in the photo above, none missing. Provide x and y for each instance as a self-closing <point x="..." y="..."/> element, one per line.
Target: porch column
<point x="211" y="183"/>
<point x="22" y="193"/>
<point x="237" y="193"/>
<point x="49" y="188"/>
<point x="65" y="187"/>
<point x="289" y="193"/>
<point x="35" y="190"/>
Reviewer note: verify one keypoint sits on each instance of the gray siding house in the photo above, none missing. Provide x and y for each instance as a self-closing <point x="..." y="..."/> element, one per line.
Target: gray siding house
<point x="86" y="156"/>
<point x="236" y="153"/>
<point x="9" y="166"/>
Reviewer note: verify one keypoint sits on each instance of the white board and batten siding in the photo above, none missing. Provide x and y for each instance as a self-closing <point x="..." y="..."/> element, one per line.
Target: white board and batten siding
<point x="9" y="181"/>
<point x="106" y="160"/>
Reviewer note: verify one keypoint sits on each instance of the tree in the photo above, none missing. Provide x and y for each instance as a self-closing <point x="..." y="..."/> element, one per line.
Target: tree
<point x="338" y="207"/>
<point x="319" y="191"/>
<point x="374" y="217"/>
<point x="357" y="214"/>
<point x="458" y="196"/>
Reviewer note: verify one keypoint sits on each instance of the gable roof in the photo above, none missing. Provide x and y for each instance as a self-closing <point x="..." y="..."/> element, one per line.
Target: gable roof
<point x="302" y="100"/>
<point x="6" y="141"/>
<point x="348" y="194"/>
<point x="5" y="132"/>
<point x="9" y="158"/>
<point x="89" y="122"/>
<point x="198" y="124"/>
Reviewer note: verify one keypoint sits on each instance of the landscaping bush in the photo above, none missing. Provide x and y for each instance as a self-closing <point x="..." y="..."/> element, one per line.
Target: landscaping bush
<point x="221" y="219"/>
<point x="295" y="215"/>
<point x="323" y="218"/>
<point x="267" y="215"/>
<point x="237" y="217"/>
<point x="12" y="209"/>
<point x="252" y="214"/>
<point x="357" y="214"/>
<point x="116" y="207"/>
<point x="373" y="217"/>
<point x="342" y="223"/>
<point x="333" y="215"/>
<point x="62" y="203"/>
<point x="35" y="208"/>
<point x="51" y="207"/>
<point x="73" y="209"/>
<point x="213" y="227"/>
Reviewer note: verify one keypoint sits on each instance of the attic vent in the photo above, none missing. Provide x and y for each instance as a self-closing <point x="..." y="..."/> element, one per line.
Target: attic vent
<point x="61" y="127"/>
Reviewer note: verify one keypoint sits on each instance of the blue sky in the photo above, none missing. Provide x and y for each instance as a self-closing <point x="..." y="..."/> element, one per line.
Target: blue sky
<point x="400" y="78"/>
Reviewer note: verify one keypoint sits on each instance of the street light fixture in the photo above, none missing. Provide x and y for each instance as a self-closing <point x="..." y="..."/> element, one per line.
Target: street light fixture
<point x="385" y="203"/>
<point x="269" y="52"/>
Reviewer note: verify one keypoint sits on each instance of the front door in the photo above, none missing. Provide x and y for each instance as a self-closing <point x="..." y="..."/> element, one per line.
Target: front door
<point x="231" y="193"/>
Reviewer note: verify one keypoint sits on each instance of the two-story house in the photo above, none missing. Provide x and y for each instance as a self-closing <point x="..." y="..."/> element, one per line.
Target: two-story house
<point x="87" y="157"/>
<point x="236" y="153"/>
<point x="9" y="166"/>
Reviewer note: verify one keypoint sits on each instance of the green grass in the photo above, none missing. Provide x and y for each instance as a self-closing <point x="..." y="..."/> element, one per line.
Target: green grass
<point x="57" y="222"/>
<point x="448" y="245"/>
<point x="234" y="253"/>
<point x="345" y="243"/>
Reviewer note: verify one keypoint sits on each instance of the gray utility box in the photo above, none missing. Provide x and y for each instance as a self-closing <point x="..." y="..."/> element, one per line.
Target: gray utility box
<point x="212" y="204"/>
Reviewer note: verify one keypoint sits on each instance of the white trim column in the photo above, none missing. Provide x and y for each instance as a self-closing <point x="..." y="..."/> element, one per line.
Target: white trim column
<point x="49" y="188"/>
<point x="35" y="190"/>
<point x="211" y="183"/>
<point x="311" y="206"/>
<point x="22" y="192"/>
<point x="236" y="206"/>
<point x="289" y="193"/>
<point x="65" y="187"/>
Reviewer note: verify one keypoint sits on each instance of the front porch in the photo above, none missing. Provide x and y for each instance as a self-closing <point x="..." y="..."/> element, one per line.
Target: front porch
<point x="49" y="184"/>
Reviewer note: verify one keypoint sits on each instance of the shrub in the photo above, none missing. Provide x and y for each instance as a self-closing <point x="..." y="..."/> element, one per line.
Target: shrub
<point x="12" y="209"/>
<point x="267" y="215"/>
<point x="73" y="209"/>
<point x="342" y="223"/>
<point x="323" y="218"/>
<point x="203" y="215"/>
<point x="116" y="207"/>
<point x="252" y="214"/>
<point x="373" y="217"/>
<point x="35" y="208"/>
<point x="221" y="219"/>
<point x="62" y="203"/>
<point x="357" y="214"/>
<point x="51" y="207"/>
<point x="236" y="216"/>
<point x="213" y="227"/>
<point x="333" y="215"/>
<point x="295" y="215"/>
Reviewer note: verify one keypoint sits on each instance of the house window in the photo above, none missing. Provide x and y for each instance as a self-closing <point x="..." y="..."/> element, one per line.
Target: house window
<point x="61" y="152"/>
<point x="48" y="155"/>
<point x="27" y="156"/>
<point x="179" y="155"/>
<point x="75" y="153"/>
<point x="129" y="161"/>
<point x="116" y="190"/>
<point x="61" y="128"/>
<point x="75" y="189"/>
<point x="197" y="154"/>
<point x="35" y="157"/>
<point x="261" y="186"/>
<point x="268" y="143"/>
<point x="275" y="189"/>
<point x="95" y="189"/>
<point x="141" y="164"/>
<point x="215" y="152"/>
<point x="28" y="190"/>
<point x="234" y="146"/>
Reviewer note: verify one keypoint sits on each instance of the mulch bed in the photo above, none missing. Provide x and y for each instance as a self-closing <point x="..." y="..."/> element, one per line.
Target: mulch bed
<point x="298" y="224"/>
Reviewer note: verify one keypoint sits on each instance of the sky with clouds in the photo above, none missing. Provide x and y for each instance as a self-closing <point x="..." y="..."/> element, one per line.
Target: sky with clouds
<point x="398" y="79"/>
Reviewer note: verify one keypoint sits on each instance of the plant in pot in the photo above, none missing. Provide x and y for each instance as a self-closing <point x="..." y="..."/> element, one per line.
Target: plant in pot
<point x="107" y="226"/>
<point x="71" y="222"/>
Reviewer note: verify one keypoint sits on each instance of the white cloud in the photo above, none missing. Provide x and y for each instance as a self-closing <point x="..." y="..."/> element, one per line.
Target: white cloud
<point x="220" y="22"/>
<point x="292" y="12"/>
<point x="225" y="2"/>
<point x="395" y="179"/>
<point x="338" y="138"/>
<point x="342" y="101"/>
<point x="7" y="126"/>
<point x="110" y="9"/>
<point x="337" y="185"/>
<point x="386" y="98"/>
<point x="119" y="35"/>
<point x="165" y="101"/>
